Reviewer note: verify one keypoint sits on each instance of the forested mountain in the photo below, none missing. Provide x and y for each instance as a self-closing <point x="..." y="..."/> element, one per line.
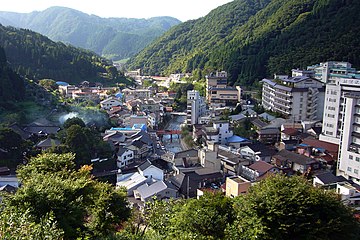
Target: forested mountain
<point x="37" y="57"/>
<point x="11" y="84"/>
<point x="254" y="38"/>
<point x="115" y="37"/>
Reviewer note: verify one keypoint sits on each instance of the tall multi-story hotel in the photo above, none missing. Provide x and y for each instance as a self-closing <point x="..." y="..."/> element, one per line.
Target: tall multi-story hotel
<point x="299" y="97"/>
<point x="340" y="79"/>
<point x="218" y="93"/>
<point x="349" y="152"/>
<point x="196" y="107"/>
<point x="327" y="72"/>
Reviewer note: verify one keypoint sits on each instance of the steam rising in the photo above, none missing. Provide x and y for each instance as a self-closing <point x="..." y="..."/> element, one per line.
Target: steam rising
<point x="89" y="116"/>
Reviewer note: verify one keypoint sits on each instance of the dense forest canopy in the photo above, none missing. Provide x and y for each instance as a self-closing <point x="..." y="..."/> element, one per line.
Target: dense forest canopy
<point x="251" y="39"/>
<point x="11" y="84"/>
<point x="117" y="38"/>
<point x="37" y="57"/>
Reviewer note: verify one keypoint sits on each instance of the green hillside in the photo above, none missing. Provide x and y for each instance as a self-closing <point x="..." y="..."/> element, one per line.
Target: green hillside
<point x="101" y="35"/>
<point x="11" y="85"/>
<point x="254" y="38"/>
<point x="37" y="57"/>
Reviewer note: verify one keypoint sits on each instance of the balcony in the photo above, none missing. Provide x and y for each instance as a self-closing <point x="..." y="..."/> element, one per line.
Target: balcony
<point x="281" y="105"/>
<point x="312" y="106"/>
<point x="355" y="148"/>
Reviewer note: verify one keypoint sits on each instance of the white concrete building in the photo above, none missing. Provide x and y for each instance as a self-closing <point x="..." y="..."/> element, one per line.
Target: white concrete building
<point x="110" y="102"/>
<point x="218" y="132"/>
<point x="327" y="72"/>
<point x="349" y="154"/>
<point x="341" y="79"/>
<point x="125" y="156"/>
<point x="196" y="107"/>
<point x="298" y="98"/>
<point x="152" y="120"/>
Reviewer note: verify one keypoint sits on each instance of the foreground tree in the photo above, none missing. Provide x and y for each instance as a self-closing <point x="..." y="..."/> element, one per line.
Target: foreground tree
<point x="21" y="225"/>
<point x="204" y="218"/>
<point x="81" y="206"/>
<point x="290" y="208"/>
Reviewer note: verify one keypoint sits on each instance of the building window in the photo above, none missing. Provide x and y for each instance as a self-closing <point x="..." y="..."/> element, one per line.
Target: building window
<point x="357" y="159"/>
<point x="351" y="157"/>
<point x="356" y="171"/>
<point x="349" y="169"/>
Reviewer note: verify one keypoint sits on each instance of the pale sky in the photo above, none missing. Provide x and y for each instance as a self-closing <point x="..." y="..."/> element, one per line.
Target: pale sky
<point x="180" y="9"/>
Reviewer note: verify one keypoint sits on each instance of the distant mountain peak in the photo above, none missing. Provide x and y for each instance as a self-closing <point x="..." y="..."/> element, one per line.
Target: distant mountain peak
<point x="105" y="36"/>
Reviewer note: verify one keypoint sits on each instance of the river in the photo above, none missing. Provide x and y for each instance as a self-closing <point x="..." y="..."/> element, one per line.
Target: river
<point x="174" y="124"/>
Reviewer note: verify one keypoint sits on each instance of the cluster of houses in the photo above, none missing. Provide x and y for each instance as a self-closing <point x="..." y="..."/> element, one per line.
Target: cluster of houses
<point x="318" y="135"/>
<point x="318" y="108"/>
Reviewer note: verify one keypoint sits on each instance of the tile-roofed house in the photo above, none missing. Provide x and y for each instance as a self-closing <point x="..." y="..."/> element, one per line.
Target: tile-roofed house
<point x="249" y="113"/>
<point x="290" y="134"/>
<point x="268" y="135"/>
<point x="230" y="161"/>
<point x="148" y="169"/>
<point x="315" y="131"/>
<point x="186" y="158"/>
<point x="114" y="137"/>
<point x="187" y="182"/>
<point x="19" y="130"/>
<point x="131" y="182"/>
<point x="8" y="188"/>
<point x="259" y="124"/>
<point x="325" y="152"/>
<point x="327" y="178"/>
<point x="267" y="116"/>
<point x="331" y="148"/>
<point x="160" y="190"/>
<point x="257" y="170"/>
<point x="48" y="143"/>
<point x="237" y="117"/>
<point x="287" y="160"/>
<point x="42" y="127"/>
<point x="257" y="151"/>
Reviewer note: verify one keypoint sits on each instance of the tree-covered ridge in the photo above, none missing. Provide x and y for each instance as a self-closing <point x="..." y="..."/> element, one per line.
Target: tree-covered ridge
<point x="11" y="84"/>
<point x="101" y="35"/>
<point x="267" y="37"/>
<point x="37" y="57"/>
<point x="187" y="45"/>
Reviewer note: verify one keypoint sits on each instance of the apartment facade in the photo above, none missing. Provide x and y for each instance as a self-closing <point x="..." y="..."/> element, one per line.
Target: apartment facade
<point x="349" y="154"/>
<point x="196" y="107"/>
<point x="298" y="98"/>
<point x="218" y="93"/>
<point x="341" y="79"/>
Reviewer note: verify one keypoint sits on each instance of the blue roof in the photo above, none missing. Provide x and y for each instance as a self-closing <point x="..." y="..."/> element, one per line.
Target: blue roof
<point x="303" y="145"/>
<point x="119" y="95"/>
<point x="235" y="139"/>
<point x="122" y="129"/>
<point x="140" y="126"/>
<point x="62" y="83"/>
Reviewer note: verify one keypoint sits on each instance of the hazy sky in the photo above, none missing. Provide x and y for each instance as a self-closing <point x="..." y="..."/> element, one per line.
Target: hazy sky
<point x="181" y="9"/>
